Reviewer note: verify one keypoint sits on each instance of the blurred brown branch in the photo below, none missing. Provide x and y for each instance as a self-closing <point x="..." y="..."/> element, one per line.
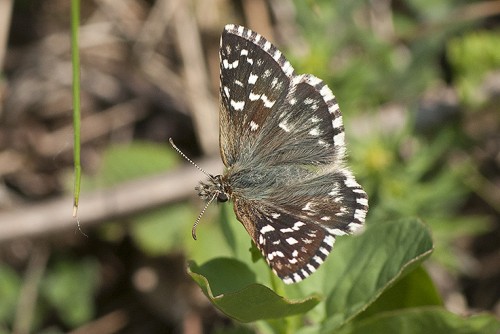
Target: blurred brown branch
<point x="102" y="205"/>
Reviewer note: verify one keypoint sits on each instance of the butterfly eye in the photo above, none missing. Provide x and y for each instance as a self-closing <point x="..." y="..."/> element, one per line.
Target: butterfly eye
<point x="222" y="197"/>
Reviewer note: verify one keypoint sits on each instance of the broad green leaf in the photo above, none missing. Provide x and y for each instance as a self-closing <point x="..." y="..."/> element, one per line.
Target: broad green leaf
<point x="230" y="286"/>
<point x="366" y="265"/>
<point x="433" y="320"/>
<point x="237" y="329"/>
<point x="127" y="162"/>
<point x="10" y="286"/>
<point x="160" y="231"/>
<point x="69" y="288"/>
<point x="414" y="290"/>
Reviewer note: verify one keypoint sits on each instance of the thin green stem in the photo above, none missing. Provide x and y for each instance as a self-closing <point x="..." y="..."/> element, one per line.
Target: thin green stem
<point x="75" y="59"/>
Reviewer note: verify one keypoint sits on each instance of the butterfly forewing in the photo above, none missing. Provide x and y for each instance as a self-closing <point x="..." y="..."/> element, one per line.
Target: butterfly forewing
<point x="305" y="129"/>
<point x="282" y="141"/>
<point x="252" y="85"/>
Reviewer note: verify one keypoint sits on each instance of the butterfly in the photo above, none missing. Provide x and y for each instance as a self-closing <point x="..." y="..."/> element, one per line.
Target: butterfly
<point x="282" y="143"/>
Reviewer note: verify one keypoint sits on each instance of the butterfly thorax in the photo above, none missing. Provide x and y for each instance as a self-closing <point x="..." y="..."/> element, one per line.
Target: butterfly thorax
<point x="261" y="182"/>
<point x="214" y="187"/>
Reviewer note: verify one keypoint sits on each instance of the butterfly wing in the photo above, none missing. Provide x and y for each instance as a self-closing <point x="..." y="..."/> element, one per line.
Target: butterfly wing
<point x="250" y="87"/>
<point x="295" y="237"/>
<point x="269" y="114"/>
<point x="282" y="139"/>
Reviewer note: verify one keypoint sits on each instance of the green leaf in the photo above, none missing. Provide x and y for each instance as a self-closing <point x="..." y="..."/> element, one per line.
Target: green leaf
<point x="127" y="162"/>
<point x="230" y="286"/>
<point x="413" y="290"/>
<point x="10" y="286"/>
<point x="472" y="57"/>
<point x="433" y="320"/>
<point x="366" y="265"/>
<point x="160" y="231"/>
<point x="69" y="287"/>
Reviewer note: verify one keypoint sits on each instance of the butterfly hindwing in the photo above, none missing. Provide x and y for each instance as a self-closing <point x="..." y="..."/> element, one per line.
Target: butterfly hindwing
<point x="296" y="231"/>
<point x="292" y="247"/>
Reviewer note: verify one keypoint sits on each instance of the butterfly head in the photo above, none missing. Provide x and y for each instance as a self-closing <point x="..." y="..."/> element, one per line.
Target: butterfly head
<point x="213" y="188"/>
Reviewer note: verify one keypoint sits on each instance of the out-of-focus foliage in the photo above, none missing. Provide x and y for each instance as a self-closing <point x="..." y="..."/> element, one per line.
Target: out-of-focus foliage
<point x="371" y="54"/>
<point x="475" y="57"/>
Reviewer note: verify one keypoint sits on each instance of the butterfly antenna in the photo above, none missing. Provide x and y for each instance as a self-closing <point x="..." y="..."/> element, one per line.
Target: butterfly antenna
<point x="193" y="231"/>
<point x="191" y="161"/>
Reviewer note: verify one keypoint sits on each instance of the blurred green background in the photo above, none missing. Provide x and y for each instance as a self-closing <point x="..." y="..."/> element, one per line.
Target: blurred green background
<point x="418" y="83"/>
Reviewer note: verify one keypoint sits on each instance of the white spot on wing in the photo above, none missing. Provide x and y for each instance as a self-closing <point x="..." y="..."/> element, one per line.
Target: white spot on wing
<point x="353" y="227"/>
<point x="336" y="231"/>
<point x="291" y="241"/>
<point x="326" y="92"/>
<point x="253" y="97"/>
<point x="284" y="126"/>
<point x="307" y="207"/>
<point x="360" y="214"/>
<point x="297" y="225"/>
<point x="329" y="240"/>
<point x="323" y="250"/>
<point x="334" y="192"/>
<point x="323" y="143"/>
<point x="237" y="105"/>
<point x="339" y="139"/>
<point x="287" y="68"/>
<point x="267" y="46"/>
<point x="252" y="78"/>
<point x="314" y="132"/>
<point x="277" y="55"/>
<point x="349" y="181"/>
<point x="362" y="201"/>
<point x="342" y="211"/>
<point x="337" y="122"/>
<point x="267" y="103"/>
<point x="253" y="126"/>
<point x="267" y="228"/>
<point x="334" y="109"/>
<point x="318" y="259"/>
